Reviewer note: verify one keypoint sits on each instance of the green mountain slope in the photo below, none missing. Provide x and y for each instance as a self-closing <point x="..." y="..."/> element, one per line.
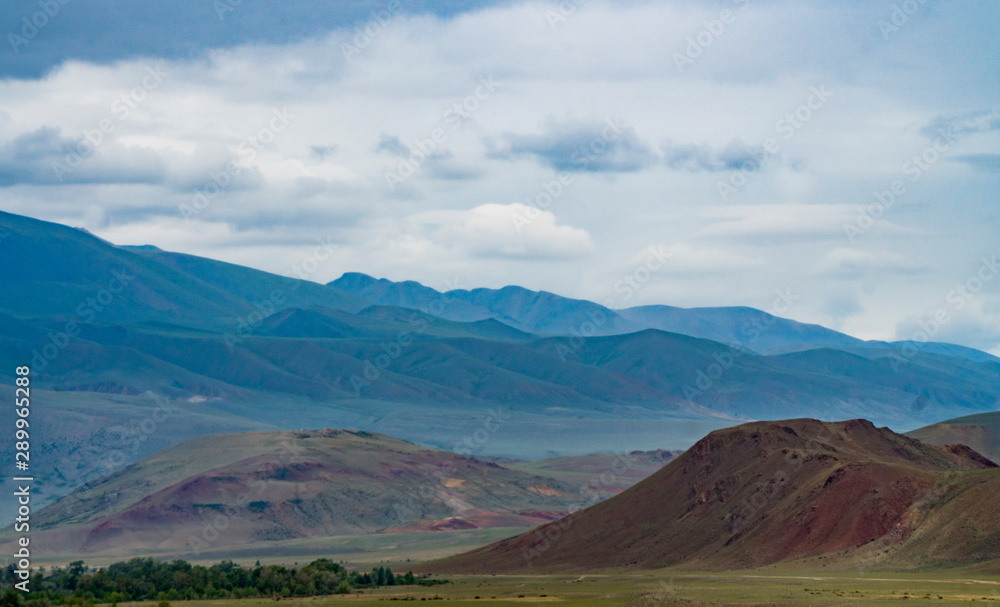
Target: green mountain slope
<point x="194" y="330"/>
<point x="56" y="272"/>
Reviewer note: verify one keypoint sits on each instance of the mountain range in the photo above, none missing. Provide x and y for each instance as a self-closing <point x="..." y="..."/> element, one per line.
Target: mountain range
<point x="839" y="494"/>
<point x="118" y="335"/>
<point x="546" y="313"/>
<point x="229" y="491"/>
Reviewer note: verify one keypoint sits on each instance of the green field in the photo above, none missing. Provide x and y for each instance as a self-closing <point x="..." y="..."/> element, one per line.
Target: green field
<point x="650" y="589"/>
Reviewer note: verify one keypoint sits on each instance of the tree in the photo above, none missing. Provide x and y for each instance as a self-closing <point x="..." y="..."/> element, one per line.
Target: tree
<point x="10" y="598"/>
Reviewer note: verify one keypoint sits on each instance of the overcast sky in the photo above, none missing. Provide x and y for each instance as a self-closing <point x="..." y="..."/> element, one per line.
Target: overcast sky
<point x="540" y="144"/>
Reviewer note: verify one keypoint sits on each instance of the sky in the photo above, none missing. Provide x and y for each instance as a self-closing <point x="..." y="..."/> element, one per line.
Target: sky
<point x="840" y="156"/>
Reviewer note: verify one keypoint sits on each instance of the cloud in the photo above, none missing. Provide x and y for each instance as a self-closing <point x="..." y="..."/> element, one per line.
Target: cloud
<point x="322" y="152"/>
<point x="969" y="123"/>
<point x="444" y="166"/>
<point x="122" y="29"/>
<point x="854" y="264"/>
<point x="843" y="306"/>
<point x="499" y="231"/>
<point x="734" y="157"/>
<point x="225" y="77"/>
<point x="692" y="260"/>
<point x="393" y="145"/>
<point x="988" y="163"/>
<point x="592" y="146"/>
<point x="45" y="157"/>
<point x="968" y="329"/>
<point x="438" y="164"/>
<point x="777" y="223"/>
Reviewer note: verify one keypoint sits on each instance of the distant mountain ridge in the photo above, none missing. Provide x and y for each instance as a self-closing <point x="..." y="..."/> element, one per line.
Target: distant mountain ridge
<point x="529" y="311"/>
<point x="56" y="272"/>
<point x="273" y="486"/>
<point x="109" y="328"/>
<point x="546" y="313"/>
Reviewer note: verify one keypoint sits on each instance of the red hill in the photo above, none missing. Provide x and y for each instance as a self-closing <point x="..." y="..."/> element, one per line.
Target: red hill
<point x="765" y="492"/>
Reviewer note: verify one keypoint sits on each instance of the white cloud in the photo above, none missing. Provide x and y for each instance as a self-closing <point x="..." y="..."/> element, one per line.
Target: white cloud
<point x="323" y="175"/>
<point x="687" y="259"/>
<point x="854" y="264"/>
<point x="495" y="230"/>
<point x="777" y="221"/>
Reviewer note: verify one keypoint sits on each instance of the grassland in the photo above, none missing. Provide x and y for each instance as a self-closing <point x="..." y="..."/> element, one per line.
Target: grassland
<point x="651" y="589"/>
<point x="397" y="550"/>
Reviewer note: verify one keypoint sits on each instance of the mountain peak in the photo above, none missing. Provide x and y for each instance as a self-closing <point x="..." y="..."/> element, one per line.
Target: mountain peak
<point x="357" y="280"/>
<point x="758" y="494"/>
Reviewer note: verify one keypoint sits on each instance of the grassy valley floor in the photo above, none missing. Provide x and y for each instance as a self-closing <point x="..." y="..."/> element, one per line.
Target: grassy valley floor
<point x="651" y="589"/>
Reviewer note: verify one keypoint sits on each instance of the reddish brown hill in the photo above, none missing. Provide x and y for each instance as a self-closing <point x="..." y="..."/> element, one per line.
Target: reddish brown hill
<point x="747" y="496"/>
<point x="242" y="489"/>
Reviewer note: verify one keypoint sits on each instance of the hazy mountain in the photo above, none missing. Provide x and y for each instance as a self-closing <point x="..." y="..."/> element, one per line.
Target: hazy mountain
<point x="747" y="327"/>
<point x="530" y="311"/>
<point x="56" y="272"/>
<point x="549" y="314"/>
<point x="766" y="492"/>
<point x="216" y="336"/>
<point x="270" y="486"/>
<point x="981" y="432"/>
<point x="638" y="375"/>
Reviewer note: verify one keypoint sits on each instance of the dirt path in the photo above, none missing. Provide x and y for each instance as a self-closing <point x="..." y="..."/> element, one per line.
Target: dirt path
<point x="867" y="579"/>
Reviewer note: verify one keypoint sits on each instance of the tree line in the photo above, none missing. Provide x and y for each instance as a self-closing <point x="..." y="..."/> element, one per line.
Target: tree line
<point x="144" y="579"/>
